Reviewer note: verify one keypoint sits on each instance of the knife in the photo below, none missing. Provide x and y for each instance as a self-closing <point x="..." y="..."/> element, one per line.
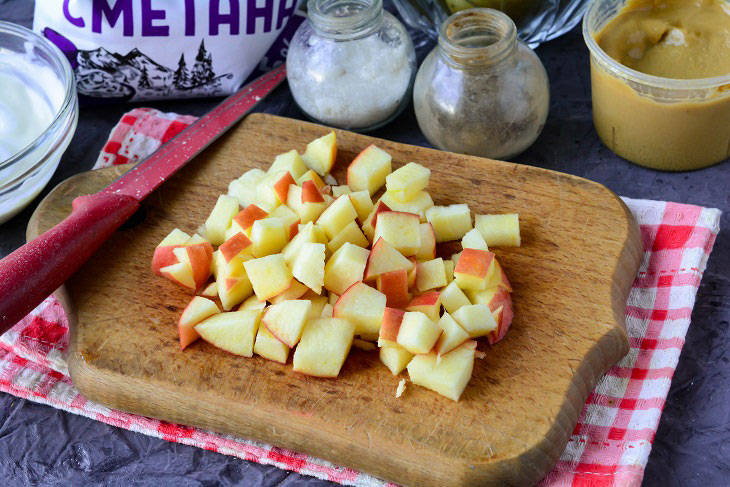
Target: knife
<point x="35" y="270"/>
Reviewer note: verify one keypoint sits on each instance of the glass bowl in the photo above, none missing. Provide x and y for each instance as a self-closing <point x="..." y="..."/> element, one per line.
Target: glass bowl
<point x="537" y="20"/>
<point x="25" y="173"/>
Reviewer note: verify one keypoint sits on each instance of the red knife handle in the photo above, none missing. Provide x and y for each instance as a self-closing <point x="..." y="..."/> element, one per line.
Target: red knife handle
<point x="35" y="270"/>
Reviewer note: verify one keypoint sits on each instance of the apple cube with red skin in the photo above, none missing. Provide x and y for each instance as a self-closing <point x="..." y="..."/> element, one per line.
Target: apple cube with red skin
<point x="401" y="230"/>
<point x="308" y="266"/>
<point x="220" y="218"/>
<point x="473" y="240"/>
<point x="311" y="193"/>
<point x="163" y="255"/>
<point x="337" y="216"/>
<point x="364" y="307"/>
<point x="289" y="161"/>
<point x="352" y="234"/>
<point x="394" y="285"/>
<point x="499" y="230"/>
<point x="193" y="267"/>
<point x="449" y="222"/>
<point x="384" y="258"/>
<point x="431" y="274"/>
<point x="392" y="319"/>
<point x="321" y="154"/>
<point x="324" y="346"/>
<point x="503" y="281"/>
<point x="269" y="275"/>
<point x="234" y="246"/>
<point x="417" y="333"/>
<point x="345" y="267"/>
<point x="196" y="311"/>
<point x="476" y="319"/>
<point x="452" y="335"/>
<point x="295" y="291"/>
<point x="407" y="181"/>
<point x="244" y="188"/>
<point x="474" y="269"/>
<point x="448" y="375"/>
<point x="503" y="316"/>
<point x="289" y="218"/>
<point x="281" y="185"/>
<point x="234" y="332"/>
<point x="233" y="290"/>
<point x="246" y="217"/>
<point x="427" y="250"/>
<point x="314" y="177"/>
<point x="362" y="202"/>
<point x="307" y="211"/>
<point x="369" y="169"/>
<point x="428" y="303"/>
<point x="286" y="320"/>
<point x="267" y="346"/>
<point x="368" y="226"/>
<point x="396" y="358"/>
<point x="453" y="298"/>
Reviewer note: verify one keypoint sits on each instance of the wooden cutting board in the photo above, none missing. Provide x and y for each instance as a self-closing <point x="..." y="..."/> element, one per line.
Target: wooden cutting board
<point x="580" y="252"/>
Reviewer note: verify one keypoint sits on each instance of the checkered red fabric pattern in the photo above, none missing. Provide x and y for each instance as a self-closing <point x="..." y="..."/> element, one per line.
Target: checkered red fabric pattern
<point x="609" y="446"/>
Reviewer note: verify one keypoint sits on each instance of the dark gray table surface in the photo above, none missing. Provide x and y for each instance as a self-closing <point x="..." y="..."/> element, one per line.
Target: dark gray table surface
<point x="45" y="446"/>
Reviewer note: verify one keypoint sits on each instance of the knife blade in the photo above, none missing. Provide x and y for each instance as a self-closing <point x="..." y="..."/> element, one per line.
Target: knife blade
<point x="31" y="273"/>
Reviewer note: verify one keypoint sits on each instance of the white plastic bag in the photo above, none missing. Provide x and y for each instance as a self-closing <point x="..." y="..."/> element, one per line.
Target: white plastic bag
<point x="135" y="50"/>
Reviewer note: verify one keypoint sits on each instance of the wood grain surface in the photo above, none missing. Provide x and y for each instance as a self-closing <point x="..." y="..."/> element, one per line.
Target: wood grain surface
<point x="580" y="252"/>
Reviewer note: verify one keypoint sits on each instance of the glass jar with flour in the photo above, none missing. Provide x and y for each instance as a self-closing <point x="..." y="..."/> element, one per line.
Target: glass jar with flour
<point x="351" y="65"/>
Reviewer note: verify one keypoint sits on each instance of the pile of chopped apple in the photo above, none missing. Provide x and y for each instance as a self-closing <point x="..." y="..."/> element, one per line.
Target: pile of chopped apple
<point x="316" y="267"/>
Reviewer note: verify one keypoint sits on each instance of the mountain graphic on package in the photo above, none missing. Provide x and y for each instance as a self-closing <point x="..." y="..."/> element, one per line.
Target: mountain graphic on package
<point x="135" y="76"/>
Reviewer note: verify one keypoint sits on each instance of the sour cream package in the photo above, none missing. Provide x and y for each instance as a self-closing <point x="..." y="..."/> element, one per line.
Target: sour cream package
<point x="136" y="50"/>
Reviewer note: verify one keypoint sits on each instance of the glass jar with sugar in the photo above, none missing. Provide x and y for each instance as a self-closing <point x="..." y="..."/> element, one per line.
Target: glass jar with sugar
<point x="351" y="65"/>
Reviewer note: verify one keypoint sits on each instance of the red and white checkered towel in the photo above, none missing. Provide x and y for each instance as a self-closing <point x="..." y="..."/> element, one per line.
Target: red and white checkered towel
<point x="609" y="446"/>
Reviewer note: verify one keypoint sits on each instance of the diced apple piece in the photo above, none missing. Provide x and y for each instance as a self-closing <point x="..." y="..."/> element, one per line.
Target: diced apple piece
<point x="311" y="176"/>
<point x="369" y="169"/>
<point x="476" y="319"/>
<point x="447" y="376"/>
<point x="407" y="181"/>
<point x="503" y="315"/>
<point x="193" y="266"/>
<point x="220" y="218"/>
<point x="246" y="218"/>
<point x="324" y="346"/>
<point x="368" y="227"/>
<point x="281" y="185"/>
<point x="431" y="274"/>
<point x="449" y="222"/>
<point x="307" y="211"/>
<point x="400" y="230"/>
<point x="345" y="268"/>
<point x="352" y="234"/>
<point x="196" y="311"/>
<point x="295" y="291"/>
<point x="394" y="285"/>
<point x="503" y="280"/>
<point x="286" y="320"/>
<point x="328" y="311"/>
<point x="474" y="269"/>
<point x="269" y="275"/>
<point x="268" y="237"/>
<point x="384" y="258"/>
<point x="163" y="255"/>
<point x="364" y="307"/>
<point x="427" y="250"/>
<point x="473" y="240"/>
<point x="449" y="268"/>
<point x="338" y="191"/>
<point x="308" y="266"/>
<point x="453" y="298"/>
<point x="452" y="336"/>
<point x="252" y="302"/>
<point x="419" y="204"/>
<point x="428" y="304"/>
<point x="244" y="188"/>
<point x="318" y="303"/>
<point x="499" y="229"/>
<point x="234" y="332"/>
<point x="234" y="246"/>
<point x="307" y="233"/>
<point x="337" y="216"/>
<point x="180" y="273"/>
<point x="211" y="290"/>
<point x="413" y="274"/>
<point x="288" y="161"/>
<point x="233" y="289"/>
<point x="417" y="333"/>
<point x="395" y="358"/>
<point x="362" y="203"/>
<point x="310" y="193"/>
<point x="289" y="218"/>
<point x="392" y="319"/>
<point x="321" y="153"/>
<point x="267" y="196"/>
<point x="267" y="346"/>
